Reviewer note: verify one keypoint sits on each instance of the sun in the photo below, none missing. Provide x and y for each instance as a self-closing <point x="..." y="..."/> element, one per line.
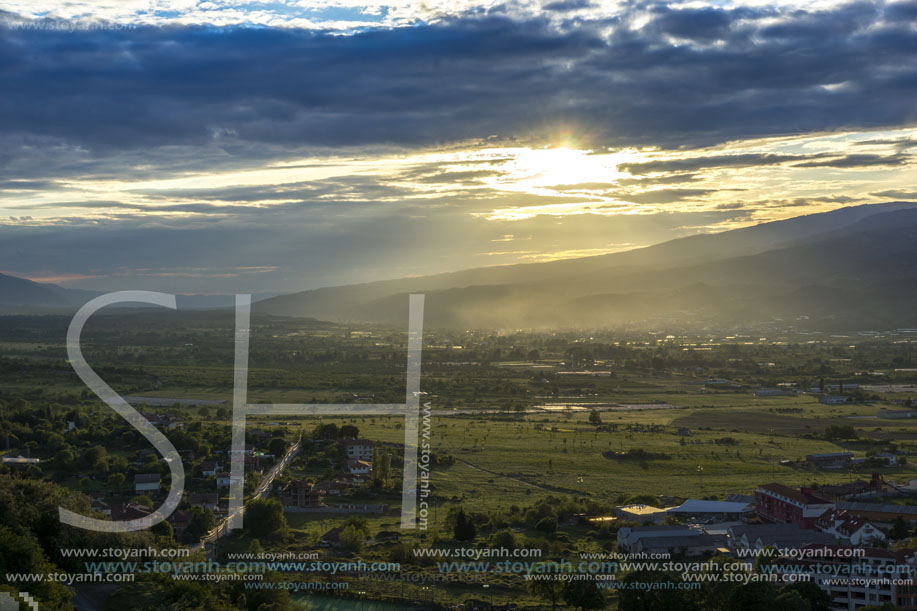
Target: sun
<point x="537" y="170"/>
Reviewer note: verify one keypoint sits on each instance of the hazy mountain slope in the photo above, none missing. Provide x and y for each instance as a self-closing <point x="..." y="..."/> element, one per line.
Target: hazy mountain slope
<point x="21" y="292"/>
<point x="550" y="285"/>
<point x="860" y="274"/>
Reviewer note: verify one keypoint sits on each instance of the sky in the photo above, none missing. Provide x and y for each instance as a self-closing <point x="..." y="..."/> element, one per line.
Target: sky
<point x="240" y="146"/>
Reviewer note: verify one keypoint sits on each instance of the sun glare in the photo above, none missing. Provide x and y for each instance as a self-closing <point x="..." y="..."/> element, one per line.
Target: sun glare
<point x="537" y="170"/>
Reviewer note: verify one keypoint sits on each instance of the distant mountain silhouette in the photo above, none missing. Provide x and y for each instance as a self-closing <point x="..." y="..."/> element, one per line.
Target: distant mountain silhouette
<point x="19" y="295"/>
<point x="19" y="292"/>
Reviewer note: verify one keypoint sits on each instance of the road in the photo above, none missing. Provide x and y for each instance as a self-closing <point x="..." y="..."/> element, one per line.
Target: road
<point x="264" y="488"/>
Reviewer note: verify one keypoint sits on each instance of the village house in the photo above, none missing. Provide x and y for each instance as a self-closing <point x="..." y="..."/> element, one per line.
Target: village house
<point x="252" y="464"/>
<point x="164" y="421"/>
<point x="301" y="494"/>
<point x="209" y="468"/>
<point x="146" y="482"/>
<point x="755" y="537"/>
<point x="848" y="528"/>
<point x="130" y="511"/>
<point x="180" y="520"/>
<point x="100" y="506"/>
<point x="207" y="500"/>
<point x="332" y="538"/>
<point x="333" y="488"/>
<point x="359" y="467"/>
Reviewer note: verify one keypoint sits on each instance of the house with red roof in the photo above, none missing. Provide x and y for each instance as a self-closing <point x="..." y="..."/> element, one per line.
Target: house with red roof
<point x="850" y="529"/>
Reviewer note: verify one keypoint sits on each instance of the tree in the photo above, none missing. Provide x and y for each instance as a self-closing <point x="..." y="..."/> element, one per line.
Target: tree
<point x="547" y="525"/>
<point x="96" y="457"/>
<point x="116" y="480"/>
<point x="20" y="552"/>
<point x="142" y="499"/>
<point x="765" y="558"/>
<point x="837" y="432"/>
<point x="277" y="446"/>
<point x="754" y="596"/>
<point x="818" y="599"/>
<point x="899" y="529"/>
<point x="202" y="522"/>
<point x="791" y="600"/>
<point x="275" y="598"/>
<point x="350" y="431"/>
<point x="163" y="529"/>
<point x="64" y="459"/>
<point x="351" y="539"/>
<point x="464" y="528"/>
<point x="382" y="468"/>
<point x="595" y="418"/>
<point x="264" y="518"/>
<point x="654" y="599"/>
<point x="326" y="431"/>
<point x="549" y="590"/>
<point x="583" y="594"/>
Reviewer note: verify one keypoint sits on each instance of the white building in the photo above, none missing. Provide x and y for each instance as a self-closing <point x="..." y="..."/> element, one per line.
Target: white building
<point x="849" y="528"/>
<point x="878" y="576"/>
<point x="360" y="449"/>
<point x="359" y="467"/>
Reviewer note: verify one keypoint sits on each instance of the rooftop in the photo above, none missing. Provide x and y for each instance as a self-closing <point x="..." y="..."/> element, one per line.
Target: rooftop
<point x="804" y="496"/>
<point x="701" y="506"/>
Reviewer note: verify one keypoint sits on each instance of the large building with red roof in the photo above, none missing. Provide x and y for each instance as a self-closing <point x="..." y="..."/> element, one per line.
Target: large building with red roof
<point x="781" y="504"/>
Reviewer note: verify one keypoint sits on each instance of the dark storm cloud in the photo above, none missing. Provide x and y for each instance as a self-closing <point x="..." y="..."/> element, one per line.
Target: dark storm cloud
<point x="568" y="5"/>
<point x="705" y="24"/>
<point x="743" y="160"/>
<point x="747" y="160"/>
<point x="658" y="180"/>
<point x="468" y="78"/>
<point x="857" y="161"/>
<point x="900" y="144"/>
<point x="896" y="194"/>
